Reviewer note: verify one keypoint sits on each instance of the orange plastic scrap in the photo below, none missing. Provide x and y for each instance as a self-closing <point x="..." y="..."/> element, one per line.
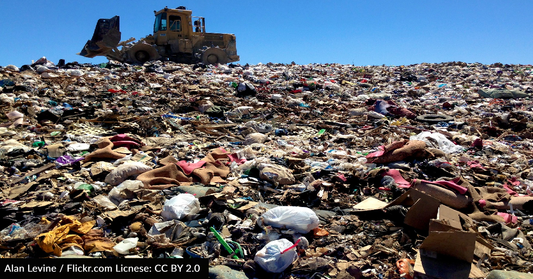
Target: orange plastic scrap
<point x="496" y="102"/>
<point x="405" y="268"/>
<point x="318" y="232"/>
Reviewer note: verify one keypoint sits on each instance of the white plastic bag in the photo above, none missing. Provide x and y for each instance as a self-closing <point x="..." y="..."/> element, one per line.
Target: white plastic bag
<point x="124" y="171"/>
<point x="298" y="219"/>
<point x="78" y="147"/>
<point x="444" y="144"/>
<point x="271" y="259"/>
<point x="105" y="202"/>
<point x="124" y="191"/>
<point x="180" y="207"/>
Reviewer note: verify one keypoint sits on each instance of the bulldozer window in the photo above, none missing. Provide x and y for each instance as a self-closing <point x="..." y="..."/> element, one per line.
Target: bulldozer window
<point x="175" y="23"/>
<point x="160" y="23"/>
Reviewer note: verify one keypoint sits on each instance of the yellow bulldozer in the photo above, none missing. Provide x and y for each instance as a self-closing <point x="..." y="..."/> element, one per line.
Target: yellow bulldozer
<point x="178" y="36"/>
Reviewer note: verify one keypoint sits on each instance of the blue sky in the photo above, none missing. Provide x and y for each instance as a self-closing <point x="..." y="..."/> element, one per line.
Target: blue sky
<point x="346" y="32"/>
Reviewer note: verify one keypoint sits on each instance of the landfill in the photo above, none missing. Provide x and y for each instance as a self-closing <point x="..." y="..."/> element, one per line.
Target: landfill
<point x="272" y="170"/>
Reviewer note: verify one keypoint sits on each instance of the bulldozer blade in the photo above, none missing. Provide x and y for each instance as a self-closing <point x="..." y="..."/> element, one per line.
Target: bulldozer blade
<point x="106" y="37"/>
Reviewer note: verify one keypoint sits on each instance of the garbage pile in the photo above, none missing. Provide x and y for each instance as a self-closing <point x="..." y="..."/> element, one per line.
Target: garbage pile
<point x="272" y="170"/>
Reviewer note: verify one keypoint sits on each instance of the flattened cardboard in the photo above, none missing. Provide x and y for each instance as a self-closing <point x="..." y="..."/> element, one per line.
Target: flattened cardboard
<point x="370" y="204"/>
<point x="19" y="190"/>
<point x="141" y="158"/>
<point x="37" y="171"/>
<point x="407" y="199"/>
<point x="423" y="207"/>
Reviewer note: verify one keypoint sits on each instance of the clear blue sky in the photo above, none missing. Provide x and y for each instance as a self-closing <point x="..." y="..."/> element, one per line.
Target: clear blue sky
<point x="343" y="31"/>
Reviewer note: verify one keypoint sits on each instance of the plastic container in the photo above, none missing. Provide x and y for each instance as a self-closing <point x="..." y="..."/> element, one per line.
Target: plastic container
<point x="126" y="245"/>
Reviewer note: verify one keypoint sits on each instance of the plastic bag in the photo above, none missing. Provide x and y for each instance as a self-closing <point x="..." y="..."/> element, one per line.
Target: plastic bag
<point x="180" y="207"/>
<point x="276" y="174"/>
<point x="104" y="202"/>
<point x="298" y="219"/>
<point x="275" y="257"/>
<point x="124" y="171"/>
<point x="444" y="144"/>
<point x="124" y="191"/>
<point x="255" y="138"/>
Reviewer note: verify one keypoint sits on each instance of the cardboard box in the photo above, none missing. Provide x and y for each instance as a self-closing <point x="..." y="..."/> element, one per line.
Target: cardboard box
<point x="448" y="251"/>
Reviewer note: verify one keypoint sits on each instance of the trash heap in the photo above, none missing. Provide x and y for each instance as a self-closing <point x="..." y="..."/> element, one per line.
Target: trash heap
<point x="272" y="170"/>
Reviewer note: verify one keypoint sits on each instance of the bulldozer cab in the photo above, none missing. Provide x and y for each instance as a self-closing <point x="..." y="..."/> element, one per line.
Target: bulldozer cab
<point x="172" y="24"/>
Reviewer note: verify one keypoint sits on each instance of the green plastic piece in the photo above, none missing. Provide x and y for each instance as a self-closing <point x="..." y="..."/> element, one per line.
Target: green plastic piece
<point x="223" y="242"/>
<point x="38" y="144"/>
<point x="87" y="187"/>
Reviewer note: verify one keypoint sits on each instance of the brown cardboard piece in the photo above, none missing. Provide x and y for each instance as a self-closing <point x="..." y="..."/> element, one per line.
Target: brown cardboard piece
<point x="482" y="248"/>
<point x="455" y="244"/>
<point x="449" y="216"/>
<point x="421" y="212"/>
<point x="429" y="268"/>
<point x="140" y="157"/>
<point x="408" y="198"/>
<point x="423" y="208"/>
<point x="446" y="254"/>
<point x="448" y="251"/>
